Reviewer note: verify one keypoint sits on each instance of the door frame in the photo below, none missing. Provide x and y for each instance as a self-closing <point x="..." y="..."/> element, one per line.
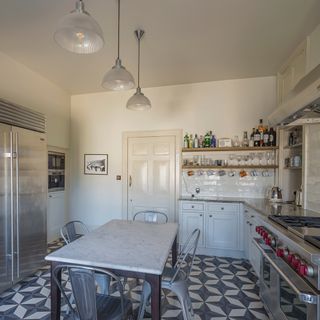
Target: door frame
<point x="177" y="134"/>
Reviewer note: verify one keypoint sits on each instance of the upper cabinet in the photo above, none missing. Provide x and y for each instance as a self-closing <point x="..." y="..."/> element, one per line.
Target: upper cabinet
<point x="304" y="59"/>
<point x="292" y="72"/>
<point x="313" y="50"/>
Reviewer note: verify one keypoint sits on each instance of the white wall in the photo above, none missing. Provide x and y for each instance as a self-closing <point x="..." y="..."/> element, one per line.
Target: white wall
<point x="23" y="86"/>
<point x="98" y="120"/>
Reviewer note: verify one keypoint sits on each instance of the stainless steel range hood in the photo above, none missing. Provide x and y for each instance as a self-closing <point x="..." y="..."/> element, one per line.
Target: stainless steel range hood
<point x="307" y="115"/>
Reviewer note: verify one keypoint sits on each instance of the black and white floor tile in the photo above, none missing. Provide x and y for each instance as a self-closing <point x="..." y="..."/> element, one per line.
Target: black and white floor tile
<point x="220" y="288"/>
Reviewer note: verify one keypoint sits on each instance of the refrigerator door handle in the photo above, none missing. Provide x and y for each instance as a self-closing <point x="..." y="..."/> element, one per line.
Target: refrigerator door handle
<point x="15" y="155"/>
<point x="11" y="207"/>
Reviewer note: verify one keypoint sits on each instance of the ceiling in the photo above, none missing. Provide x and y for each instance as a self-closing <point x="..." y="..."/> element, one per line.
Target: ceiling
<point x="186" y="41"/>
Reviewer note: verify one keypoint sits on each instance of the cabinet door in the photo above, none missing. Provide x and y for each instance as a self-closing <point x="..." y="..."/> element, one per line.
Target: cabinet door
<point x="254" y="257"/>
<point x="314" y="49"/>
<point x="284" y="84"/>
<point x="55" y="215"/>
<point x="246" y="234"/>
<point x="222" y="231"/>
<point x="189" y="222"/>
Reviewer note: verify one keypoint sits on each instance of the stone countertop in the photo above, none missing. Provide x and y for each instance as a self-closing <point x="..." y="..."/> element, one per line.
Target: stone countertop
<point x="122" y="245"/>
<point x="264" y="208"/>
<point x="262" y="205"/>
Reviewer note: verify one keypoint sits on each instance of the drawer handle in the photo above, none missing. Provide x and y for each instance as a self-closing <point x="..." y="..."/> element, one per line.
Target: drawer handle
<point x="222" y="208"/>
<point x="201" y="215"/>
<point x="252" y="217"/>
<point x="192" y="207"/>
<point x="250" y="224"/>
<point x="246" y="211"/>
<point x="210" y="215"/>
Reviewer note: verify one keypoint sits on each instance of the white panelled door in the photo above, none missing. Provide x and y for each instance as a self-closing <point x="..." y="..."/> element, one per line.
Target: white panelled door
<point x="151" y="175"/>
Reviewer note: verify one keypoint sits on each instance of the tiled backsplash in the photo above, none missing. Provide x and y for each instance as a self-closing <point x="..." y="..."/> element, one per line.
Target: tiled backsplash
<point x="212" y="184"/>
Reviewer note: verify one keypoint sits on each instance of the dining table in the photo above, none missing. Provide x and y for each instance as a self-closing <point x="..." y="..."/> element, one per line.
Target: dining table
<point x="133" y="249"/>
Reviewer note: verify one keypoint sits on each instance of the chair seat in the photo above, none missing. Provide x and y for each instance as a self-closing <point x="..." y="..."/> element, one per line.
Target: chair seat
<point x="109" y="307"/>
<point x="168" y="273"/>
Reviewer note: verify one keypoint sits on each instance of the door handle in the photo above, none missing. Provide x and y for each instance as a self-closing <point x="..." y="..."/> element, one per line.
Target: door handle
<point x="130" y="181"/>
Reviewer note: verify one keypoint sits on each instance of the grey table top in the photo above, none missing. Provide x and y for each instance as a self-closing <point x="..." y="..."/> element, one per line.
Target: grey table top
<point x="122" y="245"/>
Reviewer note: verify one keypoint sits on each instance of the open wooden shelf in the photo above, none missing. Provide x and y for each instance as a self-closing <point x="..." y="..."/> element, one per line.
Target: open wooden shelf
<point x="229" y="149"/>
<point x="230" y="167"/>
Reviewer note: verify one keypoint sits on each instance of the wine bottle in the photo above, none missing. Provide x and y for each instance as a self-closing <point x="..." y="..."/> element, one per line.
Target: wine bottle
<point x="261" y="132"/>
<point x="190" y="141"/>
<point x="186" y="141"/>
<point x="196" y="141"/>
<point x="256" y="141"/>
<point x="245" y="141"/>
<point x="272" y="137"/>
<point x="266" y="136"/>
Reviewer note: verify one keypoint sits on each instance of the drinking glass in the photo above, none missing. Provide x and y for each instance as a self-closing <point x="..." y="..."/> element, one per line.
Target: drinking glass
<point x="268" y="157"/>
<point x="239" y="158"/>
<point x="231" y="157"/>
<point x="251" y="156"/>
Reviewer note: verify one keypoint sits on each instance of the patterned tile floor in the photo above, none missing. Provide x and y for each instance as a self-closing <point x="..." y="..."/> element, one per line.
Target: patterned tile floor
<point x="220" y="288"/>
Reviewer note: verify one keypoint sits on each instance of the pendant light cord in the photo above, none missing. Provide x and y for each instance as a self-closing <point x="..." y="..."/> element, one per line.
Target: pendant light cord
<point x="139" y="39"/>
<point x="118" y="29"/>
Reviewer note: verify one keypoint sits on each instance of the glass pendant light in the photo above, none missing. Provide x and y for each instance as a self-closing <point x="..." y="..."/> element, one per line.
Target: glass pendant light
<point x="118" y="78"/>
<point x="78" y="32"/>
<point x="139" y="102"/>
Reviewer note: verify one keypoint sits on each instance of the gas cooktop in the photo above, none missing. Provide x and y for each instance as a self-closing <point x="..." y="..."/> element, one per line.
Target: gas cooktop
<point x="307" y="228"/>
<point x="296" y="221"/>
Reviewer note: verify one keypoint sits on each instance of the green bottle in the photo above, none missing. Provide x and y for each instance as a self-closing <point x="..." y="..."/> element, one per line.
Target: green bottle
<point x="207" y="140"/>
<point x="186" y="140"/>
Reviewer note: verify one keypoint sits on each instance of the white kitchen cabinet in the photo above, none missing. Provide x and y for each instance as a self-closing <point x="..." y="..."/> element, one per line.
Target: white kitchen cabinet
<point x="220" y="226"/>
<point x="252" y="252"/>
<point x="292" y="71"/>
<point x="313" y="59"/>
<point x="55" y="214"/>
<point x="222" y="230"/>
<point x="189" y="222"/>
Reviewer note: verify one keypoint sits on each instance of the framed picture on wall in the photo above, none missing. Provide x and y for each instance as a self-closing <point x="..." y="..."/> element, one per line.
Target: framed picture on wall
<point x="96" y="164"/>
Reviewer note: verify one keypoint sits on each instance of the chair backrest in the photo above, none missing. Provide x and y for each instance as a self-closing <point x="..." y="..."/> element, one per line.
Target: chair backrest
<point x="84" y="290"/>
<point x="73" y="230"/>
<point x="186" y="257"/>
<point x="151" y="216"/>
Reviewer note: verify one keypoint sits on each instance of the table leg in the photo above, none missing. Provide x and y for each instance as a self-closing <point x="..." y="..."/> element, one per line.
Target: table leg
<point x="174" y="251"/>
<point x="55" y="294"/>
<point x="155" y="282"/>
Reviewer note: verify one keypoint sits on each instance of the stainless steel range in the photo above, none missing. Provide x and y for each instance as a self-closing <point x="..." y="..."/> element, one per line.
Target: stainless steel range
<point x="290" y="267"/>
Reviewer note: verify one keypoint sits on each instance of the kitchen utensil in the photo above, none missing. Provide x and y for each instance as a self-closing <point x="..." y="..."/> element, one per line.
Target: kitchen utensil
<point x="275" y="194"/>
<point x="243" y="173"/>
<point x="298" y="197"/>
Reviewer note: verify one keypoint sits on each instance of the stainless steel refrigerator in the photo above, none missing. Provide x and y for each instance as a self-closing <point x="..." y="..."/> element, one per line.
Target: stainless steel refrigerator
<point x="23" y="195"/>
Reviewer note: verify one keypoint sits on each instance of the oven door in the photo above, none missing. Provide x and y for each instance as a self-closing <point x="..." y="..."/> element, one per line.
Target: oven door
<point x="288" y="296"/>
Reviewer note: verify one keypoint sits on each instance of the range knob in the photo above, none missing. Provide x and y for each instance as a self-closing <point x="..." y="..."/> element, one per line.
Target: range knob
<point x="280" y="252"/>
<point x="295" y="261"/>
<point x="289" y="257"/>
<point x="286" y="252"/>
<point x="306" y="270"/>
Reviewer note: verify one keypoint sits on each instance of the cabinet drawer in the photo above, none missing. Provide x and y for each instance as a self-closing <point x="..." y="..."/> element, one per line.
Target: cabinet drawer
<point x="194" y="206"/>
<point x="223" y="207"/>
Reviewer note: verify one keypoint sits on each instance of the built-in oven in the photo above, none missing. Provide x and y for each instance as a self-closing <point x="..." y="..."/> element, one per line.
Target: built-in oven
<point x="285" y="294"/>
<point x="56" y="171"/>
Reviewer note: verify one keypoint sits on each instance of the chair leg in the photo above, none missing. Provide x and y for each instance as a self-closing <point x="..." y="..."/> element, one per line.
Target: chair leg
<point x="181" y="291"/>
<point x="145" y="296"/>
